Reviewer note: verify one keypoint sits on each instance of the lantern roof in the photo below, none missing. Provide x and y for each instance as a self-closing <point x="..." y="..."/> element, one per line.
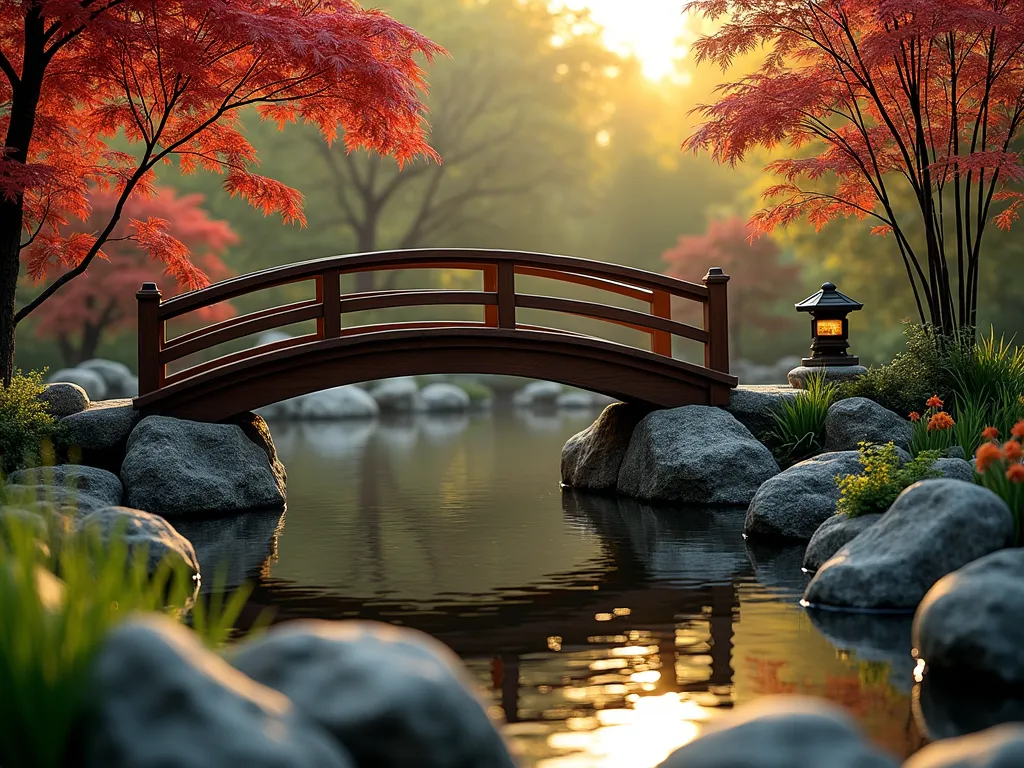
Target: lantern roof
<point x="828" y="298"/>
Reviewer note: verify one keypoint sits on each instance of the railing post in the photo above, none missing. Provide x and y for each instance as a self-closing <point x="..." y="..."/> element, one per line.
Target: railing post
<point x="151" y="339"/>
<point x="661" y="306"/>
<point x="506" y="295"/>
<point x="716" y="320"/>
<point x="491" y="286"/>
<point x="328" y="293"/>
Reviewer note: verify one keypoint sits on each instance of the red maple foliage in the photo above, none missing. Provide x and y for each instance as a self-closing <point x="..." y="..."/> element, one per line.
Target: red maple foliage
<point x="102" y="302"/>
<point x="171" y="76"/>
<point x="874" y="98"/>
<point x="758" y="277"/>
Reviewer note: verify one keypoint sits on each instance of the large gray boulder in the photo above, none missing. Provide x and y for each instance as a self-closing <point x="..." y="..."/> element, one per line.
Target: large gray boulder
<point x="118" y="377"/>
<point x="591" y="459"/>
<point x="970" y="624"/>
<point x="398" y="395"/>
<point x="933" y="528"/>
<point x="98" y="435"/>
<point x="950" y="706"/>
<point x="858" y="419"/>
<point x="42" y="499"/>
<point x="394" y="697"/>
<point x="754" y="407"/>
<point x="64" y="399"/>
<point x="832" y="535"/>
<point x="178" y="468"/>
<point x="90" y="381"/>
<point x="141" y="532"/>
<point x="96" y="483"/>
<point x="999" y="747"/>
<point x="441" y="397"/>
<point x="159" y="699"/>
<point x="694" y="455"/>
<point x="782" y="732"/>
<point x="794" y="503"/>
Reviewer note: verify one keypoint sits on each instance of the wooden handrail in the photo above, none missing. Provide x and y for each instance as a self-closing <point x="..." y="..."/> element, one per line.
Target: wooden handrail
<point x="424" y="259"/>
<point x="629" y="318"/>
<point x="498" y="298"/>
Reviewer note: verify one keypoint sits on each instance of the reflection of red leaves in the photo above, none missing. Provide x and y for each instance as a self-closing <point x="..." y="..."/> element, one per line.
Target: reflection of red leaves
<point x="764" y="676"/>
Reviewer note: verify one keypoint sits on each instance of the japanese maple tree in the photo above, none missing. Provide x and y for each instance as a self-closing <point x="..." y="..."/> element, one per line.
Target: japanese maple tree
<point x="171" y="76"/>
<point x="874" y="99"/>
<point x="758" y="275"/>
<point x="102" y="303"/>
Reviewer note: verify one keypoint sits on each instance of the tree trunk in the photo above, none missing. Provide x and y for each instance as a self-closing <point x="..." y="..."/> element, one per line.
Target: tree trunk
<point x="24" y="103"/>
<point x="10" y="266"/>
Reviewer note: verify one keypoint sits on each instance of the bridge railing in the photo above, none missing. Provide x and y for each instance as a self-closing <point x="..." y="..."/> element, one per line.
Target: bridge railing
<point x="499" y="299"/>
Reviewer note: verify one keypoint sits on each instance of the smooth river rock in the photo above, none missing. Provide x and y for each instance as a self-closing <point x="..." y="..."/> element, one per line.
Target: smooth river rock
<point x="694" y="455"/>
<point x="398" y="395"/>
<point x="394" y="697"/>
<point x="970" y="623"/>
<point x="999" y="747"/>
<point x="141" y="532"/>
<point x="782" y="732"/>
<point x="442" y="397"/>
<point x="832" y="535"/>
<point x="90" y="381"/>
<point x="858" y="419"/>
<point x="64" y="399"/>
<point x="98" y="435"/>
<point x="161" y="700"/>
<point x="795" y="502"/>
<point x="933" y="528"/>
<point x="591" y="459"/>
<point x="337" y="403"/>
<point x="117" y="377"/>
<point x="179" y="469"/>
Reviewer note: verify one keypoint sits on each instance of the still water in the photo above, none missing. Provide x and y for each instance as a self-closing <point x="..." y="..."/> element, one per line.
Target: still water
<point x="603" y="633"/>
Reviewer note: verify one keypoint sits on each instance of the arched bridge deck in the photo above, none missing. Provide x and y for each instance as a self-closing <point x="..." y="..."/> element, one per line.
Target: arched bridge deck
<point x="498" y="344"/>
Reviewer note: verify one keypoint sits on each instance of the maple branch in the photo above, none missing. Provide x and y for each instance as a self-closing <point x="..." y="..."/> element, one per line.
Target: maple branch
<point x="7" y="69"/>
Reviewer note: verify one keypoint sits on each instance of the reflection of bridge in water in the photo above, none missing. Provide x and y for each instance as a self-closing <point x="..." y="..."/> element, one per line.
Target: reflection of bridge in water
<point x="663" y="601"/>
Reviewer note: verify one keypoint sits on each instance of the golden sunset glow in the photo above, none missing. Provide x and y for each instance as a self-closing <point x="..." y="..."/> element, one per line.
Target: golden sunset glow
<point x="651" y="30"/>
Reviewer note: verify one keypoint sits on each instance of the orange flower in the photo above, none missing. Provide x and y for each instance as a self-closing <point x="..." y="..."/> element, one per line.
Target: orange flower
<point x="1015" y="474"/>
<point x="986" y="454"/>
<point x="990" y="433"/>
<point x="1018" y="429"/>
<point x="1013" y="450"/>
<point x="934" y="402"/>
<point x="915" y="416"/>
<point x="940" y="421"/>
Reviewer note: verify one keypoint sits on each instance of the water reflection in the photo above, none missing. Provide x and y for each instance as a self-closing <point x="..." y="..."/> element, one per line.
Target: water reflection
<point x="945" y="707"/>
<point x="602" y="632"/>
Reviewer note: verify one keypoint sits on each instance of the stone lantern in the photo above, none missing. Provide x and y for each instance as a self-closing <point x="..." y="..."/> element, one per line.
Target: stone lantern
<point x="830" y="337"/>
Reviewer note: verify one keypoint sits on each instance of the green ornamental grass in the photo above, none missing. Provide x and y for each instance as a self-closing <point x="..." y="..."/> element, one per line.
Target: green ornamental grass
<point x="800" y="421"/>
<point x="59" y="596"/>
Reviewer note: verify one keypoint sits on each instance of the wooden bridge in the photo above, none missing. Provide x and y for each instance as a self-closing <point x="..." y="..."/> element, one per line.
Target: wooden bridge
<point x="240" y="381"/>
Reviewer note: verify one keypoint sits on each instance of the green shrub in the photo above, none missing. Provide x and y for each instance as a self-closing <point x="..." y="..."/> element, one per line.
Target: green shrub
<point x="882" y="479"/>
<point x="27" y="430"/>
<point x="800" y="421"/>
<point x="51" y="629"/>
<point x="912" y="377"/>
